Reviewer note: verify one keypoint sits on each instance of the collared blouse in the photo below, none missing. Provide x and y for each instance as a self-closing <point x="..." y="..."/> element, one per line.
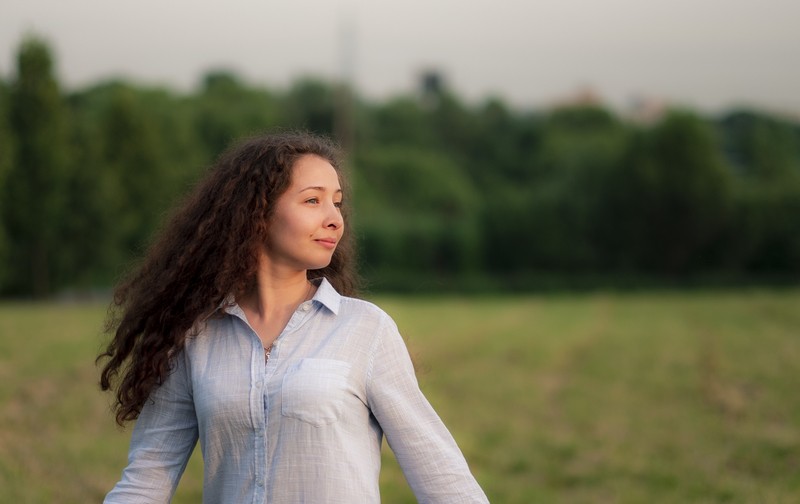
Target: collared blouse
<point x="307" y="426"/>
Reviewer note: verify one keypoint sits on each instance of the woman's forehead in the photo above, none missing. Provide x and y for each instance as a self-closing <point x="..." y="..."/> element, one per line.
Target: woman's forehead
<point x="313" y="171"/>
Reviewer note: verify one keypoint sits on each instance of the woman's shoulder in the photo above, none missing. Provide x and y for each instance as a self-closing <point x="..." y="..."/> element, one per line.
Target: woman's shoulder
<point x="365" y="310"/>
<point x="362" y="306"/>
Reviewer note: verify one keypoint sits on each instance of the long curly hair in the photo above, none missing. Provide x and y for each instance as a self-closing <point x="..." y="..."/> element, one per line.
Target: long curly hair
<point x="207" y="250"/>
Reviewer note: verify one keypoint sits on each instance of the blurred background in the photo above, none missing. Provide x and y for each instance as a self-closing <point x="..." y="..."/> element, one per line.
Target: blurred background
<point x="562" y="162"/>
<point x="492" y="146"/>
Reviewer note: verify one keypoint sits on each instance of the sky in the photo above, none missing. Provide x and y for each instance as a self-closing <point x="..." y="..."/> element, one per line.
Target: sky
<point x="707" y="54"/>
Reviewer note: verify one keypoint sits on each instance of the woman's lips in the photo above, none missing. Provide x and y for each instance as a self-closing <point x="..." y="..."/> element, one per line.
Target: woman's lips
<point x="329" y="243"/>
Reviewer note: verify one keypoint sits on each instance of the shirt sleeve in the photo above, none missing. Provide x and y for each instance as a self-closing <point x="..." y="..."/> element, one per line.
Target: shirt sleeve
<point x="431" y="461"/>
<point x="161" y="443"/>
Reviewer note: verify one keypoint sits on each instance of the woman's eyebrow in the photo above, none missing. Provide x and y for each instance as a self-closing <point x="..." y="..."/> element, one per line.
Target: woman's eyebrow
<point x="317" y="188"/>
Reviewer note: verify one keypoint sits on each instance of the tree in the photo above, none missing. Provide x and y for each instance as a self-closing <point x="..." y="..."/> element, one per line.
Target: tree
<point x="131" y="154"/>
<point x="416" y="211"/>
<point x="33" y="200"/>
<point x="578" y="151"/>
<point x="675" y="195"/>
<point x="310" y="104"/>
<point x="764" y="231"/>
<point x="6" y="161"/>
<point x="762" y="149"/>
<point x="399" y="121"/>
<point x="226" y="109"/>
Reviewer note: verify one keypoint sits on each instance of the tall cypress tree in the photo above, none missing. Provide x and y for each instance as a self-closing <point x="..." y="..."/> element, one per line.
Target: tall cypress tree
<point x="34" y="190"/>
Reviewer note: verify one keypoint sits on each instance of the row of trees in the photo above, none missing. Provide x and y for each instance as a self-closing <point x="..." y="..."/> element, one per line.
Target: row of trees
<point x="443" y="190"/>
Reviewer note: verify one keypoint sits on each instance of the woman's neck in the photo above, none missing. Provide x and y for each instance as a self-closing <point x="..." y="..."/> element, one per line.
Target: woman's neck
<point x="271" y="294"/>
<point x="270" y="303"/>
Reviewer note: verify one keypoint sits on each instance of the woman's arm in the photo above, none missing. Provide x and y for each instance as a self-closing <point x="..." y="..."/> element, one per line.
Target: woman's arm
<point x="162" y="441"/>
<point x="428" y="455"/>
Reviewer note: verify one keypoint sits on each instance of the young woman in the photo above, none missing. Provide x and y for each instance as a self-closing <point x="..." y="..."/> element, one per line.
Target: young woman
<point x="237" y="331"/>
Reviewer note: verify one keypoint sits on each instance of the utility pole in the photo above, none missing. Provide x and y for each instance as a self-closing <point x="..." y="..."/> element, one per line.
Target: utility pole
<point x="344" y="120"/>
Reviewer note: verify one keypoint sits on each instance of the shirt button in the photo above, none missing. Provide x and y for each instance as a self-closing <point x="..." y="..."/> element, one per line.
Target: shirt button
<point x="304" y="307"/>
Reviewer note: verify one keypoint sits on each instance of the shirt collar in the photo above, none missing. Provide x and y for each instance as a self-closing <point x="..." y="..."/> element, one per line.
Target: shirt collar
<point x="326" y="295"/>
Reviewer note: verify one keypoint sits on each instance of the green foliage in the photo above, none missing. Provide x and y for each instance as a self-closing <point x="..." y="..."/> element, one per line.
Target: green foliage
<point x="6" y="162"/>
<point x="310" y="104"/>
<point x="761" y="148"/>
<point x="681" y="193"/>
<point x="436" y="229"/>
<point x="226" y="109"/>
<point x="129" y="153"/>
<point x="579" y="148"/>
<point x="34" y="198"/>
<point x="767" y="236"/>
<point x="462" y="194"/>
<point x="399" y="121"/>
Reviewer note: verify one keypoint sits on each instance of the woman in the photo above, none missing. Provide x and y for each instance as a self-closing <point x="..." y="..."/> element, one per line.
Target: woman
<point x="236" y="330"/>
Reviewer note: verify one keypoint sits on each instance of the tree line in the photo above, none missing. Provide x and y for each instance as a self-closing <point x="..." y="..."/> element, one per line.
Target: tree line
<point x="445" y="193"/>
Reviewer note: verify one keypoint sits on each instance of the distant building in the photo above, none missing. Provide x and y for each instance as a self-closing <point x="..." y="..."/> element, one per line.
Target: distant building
<point x="645" y="109"/>
<point x="640" y="109"/>
<point x="584" y="97"/>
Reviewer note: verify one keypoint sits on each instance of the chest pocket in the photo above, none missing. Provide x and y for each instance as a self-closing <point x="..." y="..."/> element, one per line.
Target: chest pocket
<point x="314" y="391"/>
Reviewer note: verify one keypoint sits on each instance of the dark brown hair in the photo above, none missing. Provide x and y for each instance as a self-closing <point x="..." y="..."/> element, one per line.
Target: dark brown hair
<point x="206" y="251"/>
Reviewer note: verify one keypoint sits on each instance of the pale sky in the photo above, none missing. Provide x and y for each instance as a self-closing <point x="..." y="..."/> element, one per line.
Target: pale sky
<point x="708" y="54"/>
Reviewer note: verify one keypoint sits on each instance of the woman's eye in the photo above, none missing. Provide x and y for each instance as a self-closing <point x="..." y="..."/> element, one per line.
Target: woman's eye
<point x="312" y="200"/>
<point x="337" y="204"/>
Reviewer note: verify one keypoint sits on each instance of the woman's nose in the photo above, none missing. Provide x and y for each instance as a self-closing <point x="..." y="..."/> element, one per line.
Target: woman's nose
<point x="335" y="220"/>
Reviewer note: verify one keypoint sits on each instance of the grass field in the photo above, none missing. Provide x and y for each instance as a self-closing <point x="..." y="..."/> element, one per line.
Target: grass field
<point x="595" y="398"/>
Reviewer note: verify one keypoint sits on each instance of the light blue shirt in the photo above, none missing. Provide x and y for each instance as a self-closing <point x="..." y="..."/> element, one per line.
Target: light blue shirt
<point x="304" y="428"/>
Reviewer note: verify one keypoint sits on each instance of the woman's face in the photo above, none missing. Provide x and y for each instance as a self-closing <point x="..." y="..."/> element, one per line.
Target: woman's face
<point x="307" y="222"/>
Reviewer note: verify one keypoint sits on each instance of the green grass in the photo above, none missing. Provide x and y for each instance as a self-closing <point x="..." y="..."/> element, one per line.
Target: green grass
<point x="601" y="398"/>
